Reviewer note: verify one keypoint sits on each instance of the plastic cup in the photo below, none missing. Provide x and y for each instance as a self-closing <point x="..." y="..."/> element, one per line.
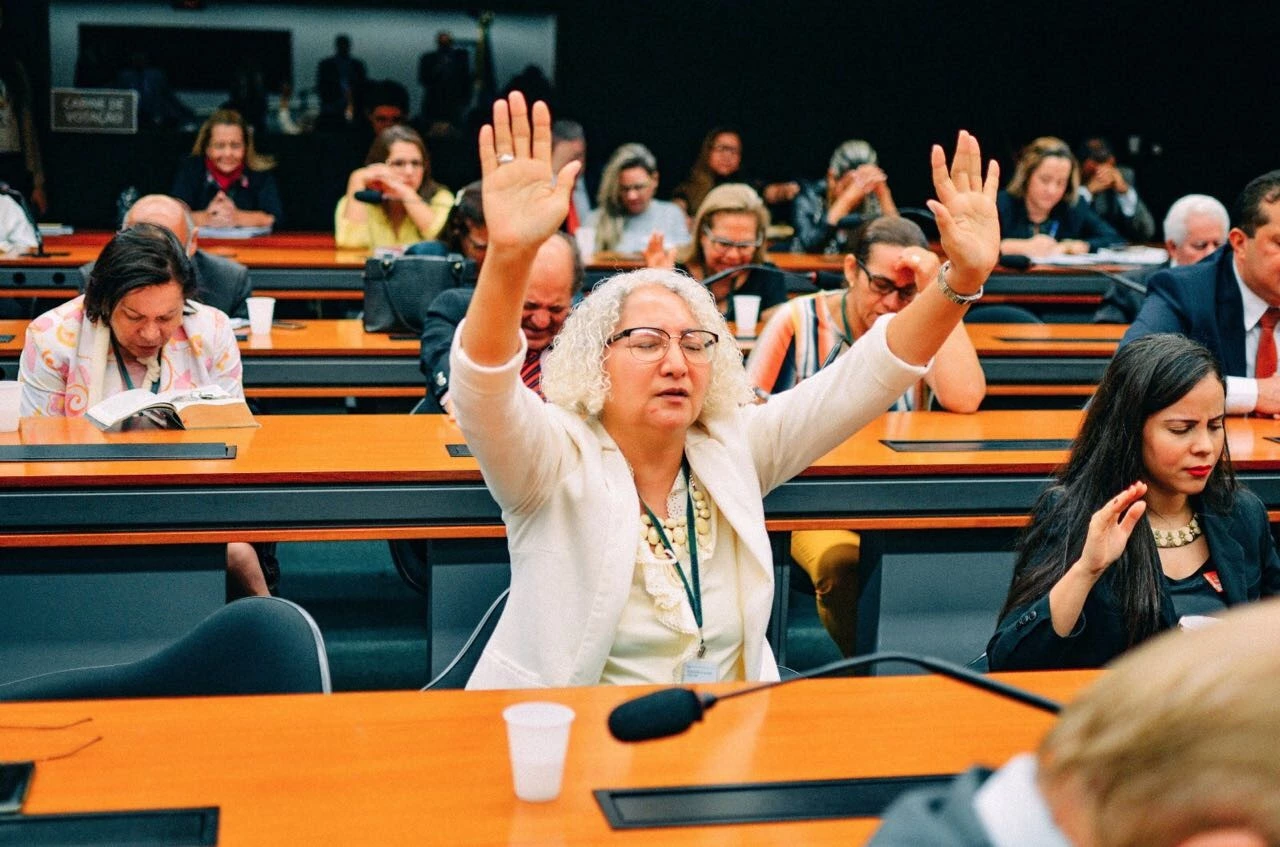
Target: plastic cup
<point x="538" y="739"/>
<point x="10" y="403"/>
<point x="746" y="313"/>
<point x="261" y="312"/>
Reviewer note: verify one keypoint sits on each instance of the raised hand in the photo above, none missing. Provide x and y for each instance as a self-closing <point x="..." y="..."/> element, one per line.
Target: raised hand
<point x="1110" y="528"/>
<point x="657" y="254"/>
<point x="966" y="213"/>
<point x="522" y="206"/>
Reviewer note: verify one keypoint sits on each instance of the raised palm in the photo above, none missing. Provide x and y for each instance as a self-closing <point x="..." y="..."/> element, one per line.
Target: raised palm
<point x="522" y="207"/>
<point x="968" y="223"/>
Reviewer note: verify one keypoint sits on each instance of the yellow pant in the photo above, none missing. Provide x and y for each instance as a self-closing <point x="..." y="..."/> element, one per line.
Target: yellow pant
<point x="830" y="557"/>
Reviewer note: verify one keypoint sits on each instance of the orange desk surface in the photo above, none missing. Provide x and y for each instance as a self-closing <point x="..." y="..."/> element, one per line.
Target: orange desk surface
<point x="414" y="768"/>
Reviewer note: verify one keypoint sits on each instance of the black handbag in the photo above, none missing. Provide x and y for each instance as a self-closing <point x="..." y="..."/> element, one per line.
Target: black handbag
<point x="399" y="289"/>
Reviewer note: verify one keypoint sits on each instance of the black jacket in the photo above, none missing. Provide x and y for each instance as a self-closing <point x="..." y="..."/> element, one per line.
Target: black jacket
<point x="1241" y="549"/>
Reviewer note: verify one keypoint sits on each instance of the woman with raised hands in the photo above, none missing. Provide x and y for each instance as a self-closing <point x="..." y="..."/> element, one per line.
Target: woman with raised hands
<point x="633" y="497"/>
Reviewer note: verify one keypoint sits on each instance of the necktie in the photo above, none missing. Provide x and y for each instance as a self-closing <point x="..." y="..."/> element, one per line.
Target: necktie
<point x="1266" y="365"/>
<point x="531" y="371"/>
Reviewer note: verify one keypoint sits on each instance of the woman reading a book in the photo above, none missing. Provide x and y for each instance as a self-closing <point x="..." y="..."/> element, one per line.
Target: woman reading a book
<point x="135" y="326"/>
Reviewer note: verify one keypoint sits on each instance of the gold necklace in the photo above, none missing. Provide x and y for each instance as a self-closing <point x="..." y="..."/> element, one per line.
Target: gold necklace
<point x="1177" y="537"/>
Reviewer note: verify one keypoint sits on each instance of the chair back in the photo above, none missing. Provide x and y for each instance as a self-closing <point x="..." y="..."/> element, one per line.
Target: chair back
<point x="256" y="645"/>
<point x="1001" y="313"/>
<point x="458" y="671"/>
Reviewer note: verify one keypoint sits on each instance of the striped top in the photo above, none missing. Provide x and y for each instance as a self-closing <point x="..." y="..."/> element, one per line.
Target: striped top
<point x="796" y="342"/>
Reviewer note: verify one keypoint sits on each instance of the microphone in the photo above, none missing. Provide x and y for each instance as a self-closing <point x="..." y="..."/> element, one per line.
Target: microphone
<point x="673" y="710"/>
<point x="369" y="195"/>
<point x="1015" y="261"/>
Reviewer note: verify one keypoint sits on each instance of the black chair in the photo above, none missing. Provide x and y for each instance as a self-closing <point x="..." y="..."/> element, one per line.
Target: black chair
<point x="458" y="671"/>
<point x="1001" y="314"/>
<point x="257" y="645"/>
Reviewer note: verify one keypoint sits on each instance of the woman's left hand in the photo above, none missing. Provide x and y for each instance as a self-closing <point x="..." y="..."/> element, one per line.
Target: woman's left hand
<point x="966" y="213"/>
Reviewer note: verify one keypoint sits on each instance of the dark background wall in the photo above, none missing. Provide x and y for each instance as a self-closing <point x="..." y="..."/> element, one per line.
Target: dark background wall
<point x="1194" y="86"/>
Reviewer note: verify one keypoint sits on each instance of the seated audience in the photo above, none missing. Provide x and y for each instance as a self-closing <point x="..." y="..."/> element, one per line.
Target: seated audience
<point x="16" y="234"/>
<point x="386" y="105"/>
<point x="720" y="161"/>
<point x="135" y="326"/>
<point x="225" y="181"/>
<point x="1040" y="214"/>
<point x="464" y="231"/>
<point x="556" y="277"/>
<point x="1146" y="528"/>
<point x="220" y="282"/>
<point x="1230" y="301"/>
<point x="729" y="229"/>
<point x="856" y="190"/>
<point x="890" y="264"/>
<point x="1195" y="226"/>
<point x="644" y="464"/>
<point x="1108" y="189"/>
<point x="1174" y="746"/>
<point x="413" y="207"/>
<point x="627" y="214"/>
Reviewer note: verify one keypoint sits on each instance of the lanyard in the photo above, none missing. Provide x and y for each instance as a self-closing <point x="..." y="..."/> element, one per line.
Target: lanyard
<point x="694" y="591"/>
<point x="124" y="372"/>
<point x="847" y="337"/>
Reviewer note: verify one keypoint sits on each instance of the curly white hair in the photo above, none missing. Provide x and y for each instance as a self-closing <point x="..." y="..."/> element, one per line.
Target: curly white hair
<point x="573" y="375"/>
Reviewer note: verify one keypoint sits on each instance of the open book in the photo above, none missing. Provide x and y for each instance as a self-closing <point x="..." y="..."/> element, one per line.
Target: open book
<point x="206" y="407"/>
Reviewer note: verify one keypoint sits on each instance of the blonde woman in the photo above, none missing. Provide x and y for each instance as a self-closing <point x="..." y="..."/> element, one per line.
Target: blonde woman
<point x="225" y="181"/>
<point x="628" y="215"/>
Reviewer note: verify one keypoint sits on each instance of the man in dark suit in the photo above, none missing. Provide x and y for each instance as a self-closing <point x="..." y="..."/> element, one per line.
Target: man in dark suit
<point x="557" y="275"/>
<point x="340" y="82"/>
<point x="1230" y="301"/>
<point x="1108" y="189"/>
<point x="220" y="283"/>
<point x="1195" y="226"/>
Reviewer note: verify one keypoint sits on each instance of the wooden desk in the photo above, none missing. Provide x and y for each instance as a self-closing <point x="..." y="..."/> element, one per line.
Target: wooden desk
<point x="297" y="266"/>
<point x="325" y="358"/>
<point x="413" y="768"/>
<point x="343" y="477"/>
<point x="1044" y="360"/>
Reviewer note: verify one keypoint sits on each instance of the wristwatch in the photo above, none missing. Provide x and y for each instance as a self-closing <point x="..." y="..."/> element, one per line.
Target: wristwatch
<point x="953" y="295"/>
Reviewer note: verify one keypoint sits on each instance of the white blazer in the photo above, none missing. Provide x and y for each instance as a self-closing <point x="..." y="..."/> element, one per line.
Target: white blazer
<point x="570" y="504"/>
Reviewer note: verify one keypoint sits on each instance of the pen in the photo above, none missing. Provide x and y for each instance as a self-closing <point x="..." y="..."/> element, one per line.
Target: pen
<point x="1053" y="229"/>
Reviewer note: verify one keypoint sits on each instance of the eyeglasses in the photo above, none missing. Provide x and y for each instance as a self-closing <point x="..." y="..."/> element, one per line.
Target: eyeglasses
<point x="637" y="188"/>
<point x="728" y="244"/>
<point x="649" y="344"/>
<point x="726" y="148"/>
<point x="416" y="164"/>
<point x="884" y="286"/>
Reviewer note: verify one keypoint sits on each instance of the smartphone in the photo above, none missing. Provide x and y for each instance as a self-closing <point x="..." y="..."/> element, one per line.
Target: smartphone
<point x="15" y="778"/>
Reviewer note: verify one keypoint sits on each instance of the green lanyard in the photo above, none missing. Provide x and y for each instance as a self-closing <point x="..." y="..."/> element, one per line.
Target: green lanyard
<point x="694" y="592"/>
<point x="124" y="372"/>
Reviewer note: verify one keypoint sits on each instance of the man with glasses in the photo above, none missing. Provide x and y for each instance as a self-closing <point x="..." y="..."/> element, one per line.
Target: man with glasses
<point x="890" y="262"/>
<point x="220" y="283"/>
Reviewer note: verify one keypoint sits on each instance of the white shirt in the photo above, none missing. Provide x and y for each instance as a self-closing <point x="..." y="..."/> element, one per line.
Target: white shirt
<point x="16" y="234"/>
<point x="1242" y="391"/>
<point x="1012" y="810"/>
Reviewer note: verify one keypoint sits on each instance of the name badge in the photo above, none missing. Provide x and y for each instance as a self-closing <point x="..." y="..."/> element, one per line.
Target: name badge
<point x="699" y="670"/>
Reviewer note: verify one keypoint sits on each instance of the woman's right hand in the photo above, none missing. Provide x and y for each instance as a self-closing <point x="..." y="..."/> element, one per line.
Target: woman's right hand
<point x="657" y="254"/>
<point x="523" y="206"/>
<point x="1110" y="529"/>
